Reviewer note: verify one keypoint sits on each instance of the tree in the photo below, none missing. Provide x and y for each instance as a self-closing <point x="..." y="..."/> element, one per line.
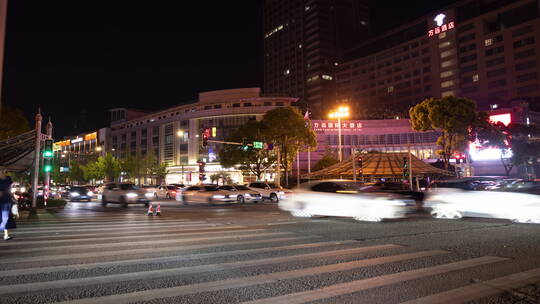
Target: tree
<point x="454" y="117"/>
<point x="154" y="168"/>
<point x="328" y="159"/>
<point x="76" y="172"/>
<point x="12" y="122"/>
<point x="108" y="167"/>
<point x="253" y="160"/>
<point x="288" y="130"/>
<point x="519" y="143"/>
<point x="135" y="167"/>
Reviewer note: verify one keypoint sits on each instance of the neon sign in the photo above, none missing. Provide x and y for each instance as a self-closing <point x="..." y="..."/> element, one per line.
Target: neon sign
<point x="443" y="28"/>
<point x="439" y="19"/>
<point x="505" y="119"/>
<point x="323" y="125"/>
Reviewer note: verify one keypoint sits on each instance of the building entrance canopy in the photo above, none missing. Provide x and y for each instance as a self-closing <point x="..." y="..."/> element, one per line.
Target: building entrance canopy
<point x="379" y="165"/>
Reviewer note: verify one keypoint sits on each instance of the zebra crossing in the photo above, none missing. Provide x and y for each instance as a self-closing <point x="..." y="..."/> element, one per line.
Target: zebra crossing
<point x="127" y="259"/>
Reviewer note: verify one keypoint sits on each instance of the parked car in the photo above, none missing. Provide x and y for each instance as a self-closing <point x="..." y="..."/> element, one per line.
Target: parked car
<point x="344" y="198"/>
<point x="124" y="193"/>
<point x="243" y="193"/>
<point x="80" y="193"/>
<point x="167" y="192"/>
<point x="268" y="191"/>
<point x="205" y="194"/>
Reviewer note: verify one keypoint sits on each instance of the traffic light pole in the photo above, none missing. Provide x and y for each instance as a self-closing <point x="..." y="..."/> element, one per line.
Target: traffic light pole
<point x="47" y="178"/>
<point x="353" y="158"/>
<point x="37" y="155"/>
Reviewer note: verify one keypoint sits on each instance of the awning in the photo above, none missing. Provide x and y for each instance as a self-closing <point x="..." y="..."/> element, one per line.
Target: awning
<point x="387" y="165"/>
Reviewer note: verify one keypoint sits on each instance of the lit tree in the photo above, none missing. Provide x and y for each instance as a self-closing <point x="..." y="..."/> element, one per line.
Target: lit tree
<point x="454" y="117"/>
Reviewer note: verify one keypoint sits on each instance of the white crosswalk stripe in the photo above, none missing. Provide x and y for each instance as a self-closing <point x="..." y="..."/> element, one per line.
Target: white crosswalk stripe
<point x="113" y="252"/>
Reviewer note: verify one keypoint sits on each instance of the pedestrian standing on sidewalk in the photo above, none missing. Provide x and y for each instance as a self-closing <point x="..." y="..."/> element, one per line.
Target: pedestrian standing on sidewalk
<point x="6" y="203"/>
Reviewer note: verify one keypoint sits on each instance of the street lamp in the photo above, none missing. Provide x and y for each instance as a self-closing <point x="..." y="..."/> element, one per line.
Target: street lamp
<point x="180" y="133"/>
<point x="341" y="112"/>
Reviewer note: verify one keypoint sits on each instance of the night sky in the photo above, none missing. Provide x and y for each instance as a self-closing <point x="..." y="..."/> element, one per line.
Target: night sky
<point x="76" y="59"/>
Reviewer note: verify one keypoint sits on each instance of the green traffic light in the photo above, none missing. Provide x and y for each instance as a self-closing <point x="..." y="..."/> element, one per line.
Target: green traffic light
<point x="47" y="153"/>
<point x="47" y="168"/>
<point x="245" y="148"/>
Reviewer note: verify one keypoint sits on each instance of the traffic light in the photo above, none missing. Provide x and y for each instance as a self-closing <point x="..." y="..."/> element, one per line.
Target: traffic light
<point x="201" y="166"/>
<point x="205" y="136"/>
<point x="359" y="163"/>
<point x="405" y="167"/>
<point x="245" y="145"/>
<point x="202" y="177"/>
<point x="48" y="148"/>
<point x="47" y="155"/>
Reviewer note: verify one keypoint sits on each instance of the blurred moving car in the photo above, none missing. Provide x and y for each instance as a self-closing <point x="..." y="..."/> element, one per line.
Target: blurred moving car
<point x="79" y="193"/>
<point x="344" y="198"/>
<point x="205" y="194"/>
<point x="268" y="191"/>
<point x="455" y="203"/>
<point x="243" y="193"/>
<point x="167" y="192"/>
<point x="124" y="193"/>
<point x="395" y="187"/>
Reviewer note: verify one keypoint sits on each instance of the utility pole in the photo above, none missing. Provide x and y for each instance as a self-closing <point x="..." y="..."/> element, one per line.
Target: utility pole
<point x="37" y="158"/>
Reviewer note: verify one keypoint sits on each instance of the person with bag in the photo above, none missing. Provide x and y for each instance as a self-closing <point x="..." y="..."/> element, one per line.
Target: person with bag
<point x="6" y="204"/>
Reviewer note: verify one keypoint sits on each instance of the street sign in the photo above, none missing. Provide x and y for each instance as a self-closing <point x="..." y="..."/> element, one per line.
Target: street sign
<point x="257" y="144"/>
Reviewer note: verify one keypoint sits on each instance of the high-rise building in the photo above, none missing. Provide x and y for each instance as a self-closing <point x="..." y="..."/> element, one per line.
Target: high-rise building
<point x="302" y="39"/>
<point x="481" y="49"/>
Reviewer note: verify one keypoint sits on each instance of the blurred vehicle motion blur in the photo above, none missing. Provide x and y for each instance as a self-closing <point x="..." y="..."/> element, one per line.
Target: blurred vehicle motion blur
<point x="243" y="193"/>
<point x="345" y="198"/>
<point x="210" y="194"/>
<point x="516" y="200"/>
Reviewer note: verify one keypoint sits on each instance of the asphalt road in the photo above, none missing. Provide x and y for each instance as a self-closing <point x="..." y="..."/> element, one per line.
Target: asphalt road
<point x="255" y="253"/>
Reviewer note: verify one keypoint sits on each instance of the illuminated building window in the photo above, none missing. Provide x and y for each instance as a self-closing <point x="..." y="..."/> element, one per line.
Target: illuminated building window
<point x="442" y="35"/>
<point x="313" y="78"/>
<point x="286" y="72"/>
<point x="448" y="63"/>
<point x="390" y="89"/>
<point x="447" y="53"/>
<point x="307" y="8"/>
<point x="475" y="77"/>
<point x="444" y="44"/>
<point x="488" y="42"/>
<point x="326" y="77"/>
<point x="447" y="74"/>
<point x="447" y="84"/>
<point x="447" y="93"/>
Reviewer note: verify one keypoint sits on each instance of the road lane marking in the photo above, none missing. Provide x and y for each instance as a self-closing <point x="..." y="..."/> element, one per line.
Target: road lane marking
<point x="483" y="289"/>
<point x="152" y="294"/>
<point x="143" y="243"/>
<point x="124" y="233"/>
<point x="154" y="274"/>
<point x="281" y="223"/>
<point x="56" y="257"/>
<point x="140" y="227"/>
<point x="35" y="270"/>
<point x="65" y="220"/>
<point x="107" y="224"/>
<point x="384" y="280"/>
<point x="137" y="236"/>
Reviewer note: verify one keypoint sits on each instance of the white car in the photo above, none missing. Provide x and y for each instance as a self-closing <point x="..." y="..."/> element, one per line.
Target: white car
<point x="205" y="194"/>
<point x="268" y="191"/>
<point x="125" y="193"/>
<point x="167" y="192"/>
<point x="451" y="203"/>
<point x="344" y="198"/>
<point x="243" y="193"/>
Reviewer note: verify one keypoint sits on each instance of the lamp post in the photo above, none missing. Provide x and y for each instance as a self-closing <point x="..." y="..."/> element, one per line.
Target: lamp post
<point x="341" y="112"/>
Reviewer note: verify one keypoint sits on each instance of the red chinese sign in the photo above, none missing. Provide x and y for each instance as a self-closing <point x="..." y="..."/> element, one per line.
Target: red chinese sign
<point x="439" y="29"/>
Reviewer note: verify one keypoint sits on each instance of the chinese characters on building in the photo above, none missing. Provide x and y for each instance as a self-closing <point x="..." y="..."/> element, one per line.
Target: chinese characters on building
<point x="443" y="28"/>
